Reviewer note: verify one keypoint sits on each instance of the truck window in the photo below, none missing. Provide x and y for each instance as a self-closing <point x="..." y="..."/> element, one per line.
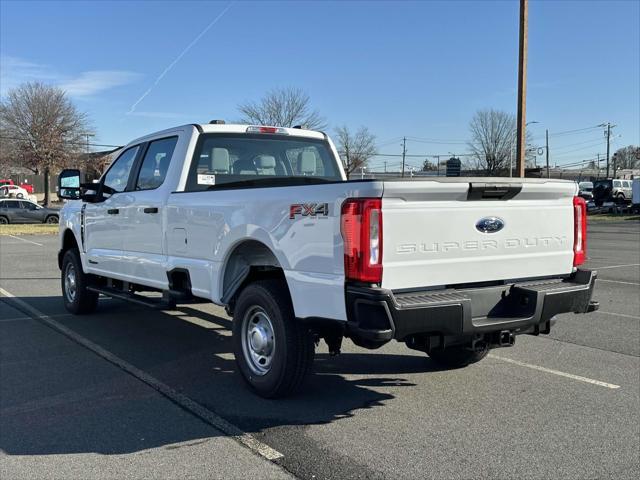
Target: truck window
<point x="231" y="158"/>
<point x="156" y="163"/>
<point x="117" y="176"/>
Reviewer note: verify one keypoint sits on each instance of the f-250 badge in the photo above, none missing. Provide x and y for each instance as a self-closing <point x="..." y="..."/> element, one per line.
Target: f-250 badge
<point x="309" y="210"/>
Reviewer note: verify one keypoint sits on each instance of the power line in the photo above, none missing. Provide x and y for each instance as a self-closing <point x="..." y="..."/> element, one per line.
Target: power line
<point x="599" y="142"/>
<point x="577" y="130"/>
<point x="568" y="132"/>
<point x="437" y="141"/>
<point x="67" y="142"/>
<point x="578" y="143"/>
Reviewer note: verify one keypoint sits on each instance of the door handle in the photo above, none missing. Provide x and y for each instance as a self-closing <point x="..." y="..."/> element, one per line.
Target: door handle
<point x="151" y="210"/>
<point x="113" y="211"/>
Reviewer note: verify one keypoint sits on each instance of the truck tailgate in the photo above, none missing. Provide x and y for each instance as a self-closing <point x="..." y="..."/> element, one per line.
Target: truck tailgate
<point x="433" y="231"/>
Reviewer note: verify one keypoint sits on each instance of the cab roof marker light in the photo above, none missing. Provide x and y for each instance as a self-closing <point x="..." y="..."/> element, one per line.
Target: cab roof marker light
<point x="274" y="130"/>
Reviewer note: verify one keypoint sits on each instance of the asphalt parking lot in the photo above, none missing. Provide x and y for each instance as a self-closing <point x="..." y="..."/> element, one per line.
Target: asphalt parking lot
<point x="81" y="399"/>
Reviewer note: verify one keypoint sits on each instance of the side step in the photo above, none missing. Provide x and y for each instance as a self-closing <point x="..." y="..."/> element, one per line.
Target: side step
<point x="166" y="302"/>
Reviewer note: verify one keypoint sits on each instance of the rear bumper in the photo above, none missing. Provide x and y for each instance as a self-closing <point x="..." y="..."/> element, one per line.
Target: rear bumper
<point x="376" y="315"/>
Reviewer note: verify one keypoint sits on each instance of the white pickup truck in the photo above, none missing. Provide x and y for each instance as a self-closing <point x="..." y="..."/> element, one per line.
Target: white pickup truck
<point x="263" y="221"/>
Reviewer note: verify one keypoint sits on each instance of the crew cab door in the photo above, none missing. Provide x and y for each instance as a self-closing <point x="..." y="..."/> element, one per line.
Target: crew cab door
<point x="103" y="219"/>
<point x="143" y="248"/>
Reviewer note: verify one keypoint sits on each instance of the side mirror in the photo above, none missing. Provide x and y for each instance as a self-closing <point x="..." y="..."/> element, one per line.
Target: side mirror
<point x="69" y="184"/>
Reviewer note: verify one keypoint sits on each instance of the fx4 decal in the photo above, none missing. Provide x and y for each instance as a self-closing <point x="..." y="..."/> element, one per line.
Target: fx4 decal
<point x="309" y="210"/>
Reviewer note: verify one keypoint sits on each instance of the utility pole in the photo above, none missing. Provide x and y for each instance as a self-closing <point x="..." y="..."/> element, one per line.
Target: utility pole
<point x="607" y="133"/>
<point x="385" y="166"/>
<point x="404" y="152"/>
<point x="608" y="137"/>
<point x="522" y="88"/>
<point x="437" y="157"/>
<point x="546" y="148"/>
<point x="598" y="170"/>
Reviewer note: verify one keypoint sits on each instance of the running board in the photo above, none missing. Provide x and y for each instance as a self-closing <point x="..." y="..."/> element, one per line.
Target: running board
<point x="159" y="303"/>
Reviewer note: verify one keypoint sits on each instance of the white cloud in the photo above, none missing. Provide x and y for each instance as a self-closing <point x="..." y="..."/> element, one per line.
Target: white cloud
<point x="15" y="71"/>
<point x="96" y="81"/>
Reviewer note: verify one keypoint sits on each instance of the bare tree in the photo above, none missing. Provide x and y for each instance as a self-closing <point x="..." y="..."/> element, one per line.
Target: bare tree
<point x="355" y="148"/>
<point x="492" y="137"/>
<point x="627" y="157"/>
<point x="282" y="107"/>
<point x="41" y="128"/>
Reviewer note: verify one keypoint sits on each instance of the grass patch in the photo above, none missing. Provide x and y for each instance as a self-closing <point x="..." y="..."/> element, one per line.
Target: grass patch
<point x="608" y="217"/>
<point x="30" y="229"/>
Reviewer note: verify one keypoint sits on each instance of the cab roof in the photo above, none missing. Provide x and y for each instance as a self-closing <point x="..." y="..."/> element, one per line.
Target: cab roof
<point x="231" y="128"/>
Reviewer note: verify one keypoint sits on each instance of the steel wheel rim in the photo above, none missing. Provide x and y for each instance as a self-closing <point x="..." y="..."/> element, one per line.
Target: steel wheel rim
<point x="258" y="340"/>
<point x="70" y="285"/>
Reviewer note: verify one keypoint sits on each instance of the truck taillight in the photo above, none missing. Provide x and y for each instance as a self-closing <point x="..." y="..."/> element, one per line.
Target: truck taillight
<point x="361" y="227"/>
<point x="579" y="231"/>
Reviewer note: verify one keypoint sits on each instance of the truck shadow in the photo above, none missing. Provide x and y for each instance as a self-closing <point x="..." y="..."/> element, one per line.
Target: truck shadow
<point x="58" y="397"/>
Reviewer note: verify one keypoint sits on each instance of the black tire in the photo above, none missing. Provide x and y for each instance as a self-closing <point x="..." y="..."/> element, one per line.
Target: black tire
<point x="457" y="356"/>
<point x="78" y="300"/>
<point x="292" y="348"/>
<point x="51" y="219"/>
<point x="19" y="195"/>
<point x="4" y="221"/>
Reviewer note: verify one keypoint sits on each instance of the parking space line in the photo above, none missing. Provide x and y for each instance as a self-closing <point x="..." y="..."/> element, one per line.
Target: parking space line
<point x="30" y="317"/>
<point x="620" y="314"/>
<point x="179" y="399"/>
<point x="25" y="240"/>
<point x="618" y="266"/>
<point x="617" y="281"/>
<point x="555" y="372"/>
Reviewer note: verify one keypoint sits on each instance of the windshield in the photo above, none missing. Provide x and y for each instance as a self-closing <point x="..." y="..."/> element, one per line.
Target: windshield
<point x="235" y="158"/>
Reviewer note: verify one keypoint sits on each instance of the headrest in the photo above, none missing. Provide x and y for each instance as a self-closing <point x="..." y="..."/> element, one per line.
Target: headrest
<point x="307" y="162"/>
<point x="265" y="161"/>
<point x="220" y="160"/>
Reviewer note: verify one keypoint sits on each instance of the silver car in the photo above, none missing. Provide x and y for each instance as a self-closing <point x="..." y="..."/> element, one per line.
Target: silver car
<point x="25" y="211"/>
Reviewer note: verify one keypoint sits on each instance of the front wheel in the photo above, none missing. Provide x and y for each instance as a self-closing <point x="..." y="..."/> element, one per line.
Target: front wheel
<point x="457" y="356"/>
<point x="273" y="350"/>
<point x="77" y="298"/>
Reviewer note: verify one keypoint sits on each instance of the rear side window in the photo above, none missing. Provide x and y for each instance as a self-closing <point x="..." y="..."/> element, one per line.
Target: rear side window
<point x="28" y="205"/>
<point x="156" y="163"/>
<point x="118" y="175"/>
<point x="232" y="158"/>
<point x="627" y="184"/>
<point x="11" y="204"/>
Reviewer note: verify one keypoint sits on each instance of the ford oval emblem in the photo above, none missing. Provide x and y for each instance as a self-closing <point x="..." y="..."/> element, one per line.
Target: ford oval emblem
<point x="489" y="224"/>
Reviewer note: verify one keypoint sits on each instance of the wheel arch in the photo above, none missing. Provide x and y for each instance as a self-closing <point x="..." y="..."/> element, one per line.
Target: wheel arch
<point x="68" y="242"/>
<point x="247" y="261"/>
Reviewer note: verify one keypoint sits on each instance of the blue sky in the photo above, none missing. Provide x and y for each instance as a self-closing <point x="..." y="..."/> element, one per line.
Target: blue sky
<point x="419" y="69"/>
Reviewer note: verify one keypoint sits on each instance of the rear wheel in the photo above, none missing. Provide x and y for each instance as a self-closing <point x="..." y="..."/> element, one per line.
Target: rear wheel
<point x="77" y="298"/>
<point x="273" y="350"/>
<point x="51" y="219"/>
<point x="457" y="356"/>
<point x="19" y="195"/>
<point x="4" y="220"/>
